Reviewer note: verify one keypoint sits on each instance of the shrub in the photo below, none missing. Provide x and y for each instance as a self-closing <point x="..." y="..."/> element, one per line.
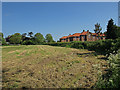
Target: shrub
<point x="28" y="42"/>
<point x="112" y="78"/>
<point x="3" y="42"/>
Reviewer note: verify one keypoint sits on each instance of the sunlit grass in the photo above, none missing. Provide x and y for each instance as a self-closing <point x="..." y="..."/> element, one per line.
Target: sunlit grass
<point x="42" y="66"/>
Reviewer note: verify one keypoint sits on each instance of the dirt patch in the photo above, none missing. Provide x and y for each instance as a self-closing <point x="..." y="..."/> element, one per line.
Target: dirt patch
<point x="13" y="51"/>
<point x="22" y="53"/>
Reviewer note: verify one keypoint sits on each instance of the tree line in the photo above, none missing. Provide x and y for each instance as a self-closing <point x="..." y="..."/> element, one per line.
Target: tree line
<point x="113" y="32"/>
<point x="27" y="39"/>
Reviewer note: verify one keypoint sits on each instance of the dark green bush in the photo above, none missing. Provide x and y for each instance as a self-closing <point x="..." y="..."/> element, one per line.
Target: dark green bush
<point x="28" y="42"/>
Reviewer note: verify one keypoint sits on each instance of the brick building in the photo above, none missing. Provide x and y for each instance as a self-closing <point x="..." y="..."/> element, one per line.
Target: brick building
<point x="84" y="36"/>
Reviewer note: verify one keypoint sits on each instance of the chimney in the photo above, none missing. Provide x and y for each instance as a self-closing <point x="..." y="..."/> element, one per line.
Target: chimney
<point x="87" y="30"/>
<point x="83" y="30"/>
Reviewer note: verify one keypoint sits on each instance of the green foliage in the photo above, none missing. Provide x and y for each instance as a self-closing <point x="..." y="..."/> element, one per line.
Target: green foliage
<point x="30" y="34"/>
<point x="2" y="40"/>
<point x="113" y="31"/>
<point x="1" y="34"/>
<point x="24" y="36"/>
<point x="68" y="46"/>
<point x="28" y="42"/>
<point x="16" y="38"/>
<point x="109" y="29"/>
<point x="49" y="38"/>
<point x="39" y="39"/>
<point x="112" y="78"/>
<point x="117" y="32"/>
<point x="97" y="28"/>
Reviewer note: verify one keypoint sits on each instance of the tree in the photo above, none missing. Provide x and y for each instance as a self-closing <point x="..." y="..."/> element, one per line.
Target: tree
<point x="1" y="34"/>
<point x="97" y="28"/>
<point x="2" y="40"/>
<point x="24" y="36"/>
<point x="16" y="38"/>
<point x="118" y="32"/>
<point x="8" y="38"/>
<point x="113" y="31"/>
<point x="39" y="39"/>
<point x="30" y="34"/>
<point x="27" y="42"/>
<point x="110" y="29"/>
<point x="49" y="38"/>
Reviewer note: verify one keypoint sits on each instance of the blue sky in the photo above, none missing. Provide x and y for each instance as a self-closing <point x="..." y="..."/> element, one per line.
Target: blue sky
<point x="58" y="19"/>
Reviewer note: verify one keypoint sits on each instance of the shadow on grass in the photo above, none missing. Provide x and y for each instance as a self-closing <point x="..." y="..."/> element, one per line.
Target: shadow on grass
<point x="104" y="58"/>
<point x="88" y="54"/>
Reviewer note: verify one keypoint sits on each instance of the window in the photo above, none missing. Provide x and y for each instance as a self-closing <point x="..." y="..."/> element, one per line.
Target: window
<point x="89" y="36"/>
<point x="84" y="37"/>
<point x="93" y="37"/>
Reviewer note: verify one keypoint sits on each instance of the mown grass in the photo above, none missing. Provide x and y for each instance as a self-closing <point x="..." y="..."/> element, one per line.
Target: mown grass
<point x="42" y="66"/>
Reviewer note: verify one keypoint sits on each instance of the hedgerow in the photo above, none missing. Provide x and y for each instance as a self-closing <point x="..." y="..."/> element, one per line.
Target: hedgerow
<point x="101" y="46"/>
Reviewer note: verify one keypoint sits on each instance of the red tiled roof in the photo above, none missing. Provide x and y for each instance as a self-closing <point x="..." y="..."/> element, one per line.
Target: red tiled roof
<point x="70" y="36"/>
<point x="84" y="33"/>
<point x="76" y="34"/>
<point x="64" y="37"/>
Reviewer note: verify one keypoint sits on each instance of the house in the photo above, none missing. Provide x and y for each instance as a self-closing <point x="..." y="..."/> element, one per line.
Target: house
<point x="84" y="36"/>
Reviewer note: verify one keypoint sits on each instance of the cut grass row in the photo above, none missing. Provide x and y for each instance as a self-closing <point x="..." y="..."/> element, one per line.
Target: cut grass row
<point x="42" y="66"/>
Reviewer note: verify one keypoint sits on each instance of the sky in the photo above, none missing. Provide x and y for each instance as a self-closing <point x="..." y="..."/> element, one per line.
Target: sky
<point x="57" y="18"/>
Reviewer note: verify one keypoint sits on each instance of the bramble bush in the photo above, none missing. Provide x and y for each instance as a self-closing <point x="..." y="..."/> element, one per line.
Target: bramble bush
<point x="112" y="78"/>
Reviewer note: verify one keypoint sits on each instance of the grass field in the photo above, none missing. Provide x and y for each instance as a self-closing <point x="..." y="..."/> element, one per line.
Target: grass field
<point x="42" y="66"/>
